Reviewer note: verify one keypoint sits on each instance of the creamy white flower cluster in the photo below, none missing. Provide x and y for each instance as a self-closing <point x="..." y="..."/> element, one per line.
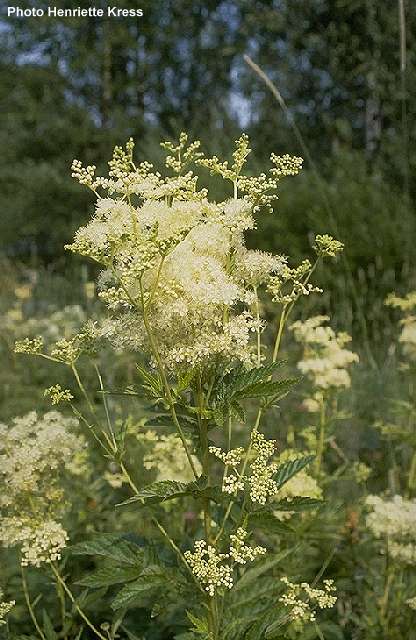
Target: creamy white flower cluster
<point x="326" y="358"/>
<point x="394" y="519"/>
<point x="166" y="455"/>
<point x="172" y="256"/>
<point x="205" y="563"/>
<point x="211" y="568"/>
<point x="31" y="449"/>
<point x="239" y="551"/>
<point x="260" y="480"/>
<point x="41" y="540"/>
<point x="5" y="608"/>
<point x="408" y="334"/>
<point x="260" y="470"/>
<point x="32" y="452"/>
<point x="411" y="602"/>
<point x="57" y="394"/>
<point x="302" y="599"/>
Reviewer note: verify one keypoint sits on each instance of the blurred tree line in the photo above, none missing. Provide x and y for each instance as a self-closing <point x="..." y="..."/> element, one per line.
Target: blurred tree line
<point x="75" y="87"/>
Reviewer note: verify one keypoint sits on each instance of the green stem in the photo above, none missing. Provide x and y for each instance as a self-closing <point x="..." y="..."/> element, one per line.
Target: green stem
<point x="258" y="332"/>
<point x="165" y="382"/>
<point x="29" y="605"/>
<point x="287" y="310"/>
<point x="177" y="551"/>
<point x="203" y="438"/>
<point x="74" y="602"/>
<point x="61" y="597"/>
<point x="278" y="340"/>
<point x="128" y="478"/>
<point x="82" y="389"/>
<point x="231" y="504"/>
<point x="320" y="441"/>
<point x="107" y="413"/>
<point x="412" y="474"/>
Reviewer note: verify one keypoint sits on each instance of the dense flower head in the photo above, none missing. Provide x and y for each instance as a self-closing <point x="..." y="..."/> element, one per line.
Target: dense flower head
<point x="394" y="519"/>
<point x="208" y="567"/>
<point x="175" y="261"/>
<point x="256" y="468"/>
<point x="302" y="600"/>
<point x="214" y="570"/>
<point x="326" y="358"/>
<point x="33" y="451"/>
<point x="40" y="540"/>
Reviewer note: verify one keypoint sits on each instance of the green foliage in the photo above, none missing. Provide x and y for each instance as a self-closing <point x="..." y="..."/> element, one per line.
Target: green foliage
<point x="169" y="489"/>
<point x="289" y="469"/>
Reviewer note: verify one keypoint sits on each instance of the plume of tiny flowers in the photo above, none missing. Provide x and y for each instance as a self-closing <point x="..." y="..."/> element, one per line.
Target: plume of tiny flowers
<point x="171" y="255"/>
<point x="411" y="602"/>
<point x="260" y="469"/>
<point x="40" y="540"/>
<point x="240" y="552"/>
<point x="326" y="358"/>
<point x="33" y="451"/>
<point x="5" y="608"/>
<point x="214" y="570"/>
<point x="207" y="566"/>
<point x="394" y="519"/>
<point x="302" y="600"/>
<point x="261" y="482"/>
<point x="57" y="394"/>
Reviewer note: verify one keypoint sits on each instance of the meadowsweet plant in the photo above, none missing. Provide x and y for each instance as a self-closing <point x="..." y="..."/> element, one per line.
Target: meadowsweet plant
<point x="182" y="292"/>
<point x="33" y="452"/>
<point x="407" y="305"/>
<point x="399" y="428"/>
<point x="391" y="522"/>
<point x="326" y="362"/>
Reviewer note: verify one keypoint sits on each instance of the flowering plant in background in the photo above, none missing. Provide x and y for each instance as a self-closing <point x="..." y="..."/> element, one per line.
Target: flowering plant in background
<point x="183" y="293"/>
<point x="34" y="451"/>
<point x="326" y="362"/>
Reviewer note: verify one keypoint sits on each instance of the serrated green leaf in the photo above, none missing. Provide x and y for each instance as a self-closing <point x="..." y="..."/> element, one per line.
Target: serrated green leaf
<point x="106" y="576"/>
<point x="150" y="580"/>
<point x="169" y="489"/>
<point x="48" y="629"/>
<point x="261" y="589"/>
<point x="87" y="597"/>
<point x="200" y="625"/>
<point x="258" y="629"/>
<point x="262" y="567"/>
<point x="240" y="383"/>
<point x="266" y="521"/>
<point x="274" y="630"/>
<point x="289" y="469"/>
<point x="297" y="504"/>
<point x="110" y="546"/>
